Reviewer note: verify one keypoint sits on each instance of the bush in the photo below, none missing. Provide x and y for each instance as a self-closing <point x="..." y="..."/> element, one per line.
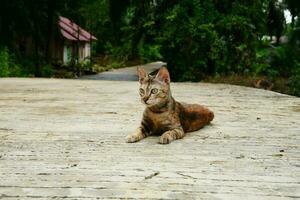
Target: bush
<point x="294" y="82"/>
<point x="193" y="48"/>
<point x="47" y="71"/>
<point x="4" y="62"/>
<point x="118" y="53"/>
<point x="149" y="52"/>
<point x="263" y="66"/>
<point x="8" y="66"/>
<point x="28" y="67"/>
<point x="196" y="38"/>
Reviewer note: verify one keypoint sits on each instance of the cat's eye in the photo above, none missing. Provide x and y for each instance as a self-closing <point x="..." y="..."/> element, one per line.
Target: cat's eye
<point x="154" y="90"/>
<point x="142" y="91"/>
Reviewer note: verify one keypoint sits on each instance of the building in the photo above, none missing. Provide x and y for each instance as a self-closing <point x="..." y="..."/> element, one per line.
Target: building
<point x="72" y="44"/>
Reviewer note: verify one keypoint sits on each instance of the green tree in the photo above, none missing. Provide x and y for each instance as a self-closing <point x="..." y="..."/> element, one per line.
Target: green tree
<point x="275" y="20"/>
<point x="294" y="7"/>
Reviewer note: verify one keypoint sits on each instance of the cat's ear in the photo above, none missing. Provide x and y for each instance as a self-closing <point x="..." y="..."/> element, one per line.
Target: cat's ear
<point x="163" y="75"/>
<point x="142" y="74"/>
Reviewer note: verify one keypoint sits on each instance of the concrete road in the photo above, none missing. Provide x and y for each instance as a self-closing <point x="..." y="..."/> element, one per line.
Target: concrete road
<point x="124" y="74"/>
<point x="65" y="139"/>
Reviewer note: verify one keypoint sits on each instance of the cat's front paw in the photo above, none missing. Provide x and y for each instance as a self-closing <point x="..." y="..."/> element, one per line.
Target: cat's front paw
<point x="132" y="138"/>
<point x="166" y="138"/>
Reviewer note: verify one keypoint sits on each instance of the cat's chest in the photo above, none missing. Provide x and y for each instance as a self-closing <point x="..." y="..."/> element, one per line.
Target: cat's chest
<point x="161" y="122"/>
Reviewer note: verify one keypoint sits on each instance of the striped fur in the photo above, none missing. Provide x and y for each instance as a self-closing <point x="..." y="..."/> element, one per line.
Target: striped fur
<point x="163" y="115"/>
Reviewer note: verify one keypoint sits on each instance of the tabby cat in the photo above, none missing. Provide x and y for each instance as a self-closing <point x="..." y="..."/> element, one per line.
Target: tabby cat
<point x="163" y="115"/>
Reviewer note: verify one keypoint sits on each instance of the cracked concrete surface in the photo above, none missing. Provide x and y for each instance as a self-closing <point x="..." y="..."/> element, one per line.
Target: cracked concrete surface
<point x="66" y="139"/>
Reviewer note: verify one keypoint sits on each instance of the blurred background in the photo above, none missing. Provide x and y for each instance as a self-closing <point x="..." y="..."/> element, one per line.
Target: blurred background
<point x="252" y="43"/>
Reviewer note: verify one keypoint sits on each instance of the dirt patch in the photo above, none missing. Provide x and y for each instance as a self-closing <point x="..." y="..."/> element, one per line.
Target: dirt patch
<point x="296" y="108"/>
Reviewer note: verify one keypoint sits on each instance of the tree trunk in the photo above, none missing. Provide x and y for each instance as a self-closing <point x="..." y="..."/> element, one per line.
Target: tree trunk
<point x="50" y="30"/>
<point x="36" y="57"/>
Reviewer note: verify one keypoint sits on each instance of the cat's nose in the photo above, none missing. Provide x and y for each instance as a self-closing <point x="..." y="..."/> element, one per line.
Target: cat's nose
<point x="145" y="99"/>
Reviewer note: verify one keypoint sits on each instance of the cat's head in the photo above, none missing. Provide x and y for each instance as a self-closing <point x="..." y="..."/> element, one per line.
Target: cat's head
<point x="154" y="89"/>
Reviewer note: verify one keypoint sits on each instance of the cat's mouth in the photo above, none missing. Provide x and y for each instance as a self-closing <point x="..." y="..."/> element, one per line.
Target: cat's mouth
<point x="147" y="103"/>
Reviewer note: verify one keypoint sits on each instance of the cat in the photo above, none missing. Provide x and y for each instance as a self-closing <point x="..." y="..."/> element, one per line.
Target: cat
<point x="163" y="115"/>
<point x="264" y="84"/>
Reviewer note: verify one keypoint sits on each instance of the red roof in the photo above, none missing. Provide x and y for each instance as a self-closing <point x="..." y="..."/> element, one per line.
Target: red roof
<point x="72" y="31"/>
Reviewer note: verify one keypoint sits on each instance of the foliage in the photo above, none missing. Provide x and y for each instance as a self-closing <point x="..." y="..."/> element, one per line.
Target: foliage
<point x="47" y="71"/>
<point x="149" y="52"/>
<point x="294" y="60"/>
<point x="294" y="82"/>
<point x="276" y="20"/>
<point x="197" y="38"/>
<point x="4" y="62"/>
<point x="192" y="48"/>
<point x="294" y="7"/>
<point x="8" y="67"/>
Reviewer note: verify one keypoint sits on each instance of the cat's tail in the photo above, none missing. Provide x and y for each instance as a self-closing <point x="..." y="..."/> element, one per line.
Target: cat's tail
<point x="210" y="116"/>
<point x="195" y="116"/>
